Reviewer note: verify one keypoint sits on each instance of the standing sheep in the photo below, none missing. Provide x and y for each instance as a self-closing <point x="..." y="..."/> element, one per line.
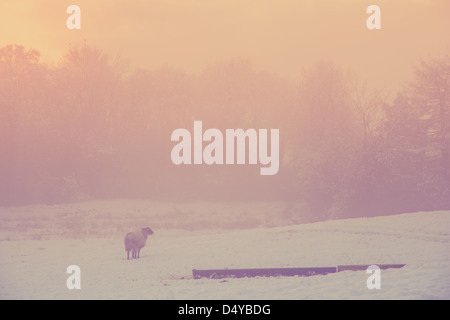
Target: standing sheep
<point x="135" y="241"/>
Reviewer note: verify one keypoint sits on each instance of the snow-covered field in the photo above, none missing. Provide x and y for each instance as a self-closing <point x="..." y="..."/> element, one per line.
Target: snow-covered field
<point x="33" y="260"/>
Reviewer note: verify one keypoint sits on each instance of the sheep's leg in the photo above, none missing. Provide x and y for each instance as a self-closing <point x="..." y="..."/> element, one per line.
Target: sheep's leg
<point x="128" y="254"/>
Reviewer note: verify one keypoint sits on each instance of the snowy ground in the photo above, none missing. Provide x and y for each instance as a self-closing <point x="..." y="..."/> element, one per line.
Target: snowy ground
<point x="36" y="269"/>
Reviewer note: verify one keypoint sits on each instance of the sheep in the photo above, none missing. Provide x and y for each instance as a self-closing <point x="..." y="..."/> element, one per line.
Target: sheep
<point x="135" y="241"/>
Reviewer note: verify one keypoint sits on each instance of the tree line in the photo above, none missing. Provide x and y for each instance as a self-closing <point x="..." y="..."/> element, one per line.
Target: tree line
<point x="89" y="127"/>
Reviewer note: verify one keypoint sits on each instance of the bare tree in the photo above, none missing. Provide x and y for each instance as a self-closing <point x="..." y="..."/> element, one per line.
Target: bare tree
<point x="430" y="93"/>
<point x="368" y="109"/>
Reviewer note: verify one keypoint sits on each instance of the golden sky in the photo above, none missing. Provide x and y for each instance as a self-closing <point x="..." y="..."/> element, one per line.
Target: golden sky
<point x="279" y="36"/>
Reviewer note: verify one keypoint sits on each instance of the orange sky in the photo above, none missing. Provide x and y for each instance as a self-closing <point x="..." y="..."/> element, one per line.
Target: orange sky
<point x="279" y="36"/>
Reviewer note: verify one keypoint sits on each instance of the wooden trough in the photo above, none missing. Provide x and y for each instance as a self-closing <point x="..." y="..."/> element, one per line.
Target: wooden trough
<point x="359" y="267"/>
<point x="285" y="272"/>
<point x="268" y="272"/>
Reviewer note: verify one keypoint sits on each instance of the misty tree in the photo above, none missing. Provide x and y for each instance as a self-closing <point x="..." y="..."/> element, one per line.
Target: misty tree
<point x="87" y="99"/>
<point x="368" y="110"/>
<point x="87" y="82"/>
<point x="326" y="138"/>
<point x="417" y="140"/>
<point x="430" y="94"/>
<point x="18" y="68"/>
<point x="22" y="95"/>
<point x="235" y="94"/>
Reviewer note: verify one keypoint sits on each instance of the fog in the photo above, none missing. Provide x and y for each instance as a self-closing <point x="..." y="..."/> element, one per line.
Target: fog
<point x="280" y="37"/>
<point x="362" y="114"/>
